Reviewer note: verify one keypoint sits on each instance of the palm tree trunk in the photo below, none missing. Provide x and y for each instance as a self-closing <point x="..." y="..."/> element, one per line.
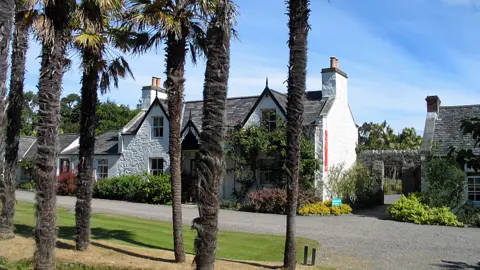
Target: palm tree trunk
<point x="88" y="110"/>
<point x="211" y="167"/>
<point x="50" y="83"/>
<point x="298" y="25"/>
<point x="6" y="22"/>
<point x="176" y="51"/>
<point x="14" y="118"/>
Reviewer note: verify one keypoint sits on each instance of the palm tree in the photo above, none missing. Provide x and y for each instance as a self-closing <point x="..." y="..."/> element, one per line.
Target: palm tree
<point x="14" y="115"/>
<point x="177" y="22"/>
<point x="92" y="42"/>
<point x="211" y="165"/>
<point x="6" y="22"/>
<point x="298" y="12"/>
<point x="55" y="26"/>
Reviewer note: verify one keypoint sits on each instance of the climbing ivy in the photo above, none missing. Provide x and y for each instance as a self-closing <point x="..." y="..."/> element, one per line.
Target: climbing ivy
<point x="248" y="146"/>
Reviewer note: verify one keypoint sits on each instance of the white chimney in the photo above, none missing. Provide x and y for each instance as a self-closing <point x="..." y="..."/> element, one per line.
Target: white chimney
<point x="149" y="93"/>
<point x="334" y="81"/>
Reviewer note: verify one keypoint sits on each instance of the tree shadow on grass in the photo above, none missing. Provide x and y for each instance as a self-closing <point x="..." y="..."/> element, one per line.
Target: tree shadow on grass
<point x="130" y="253"/>
<point x="252" y="264"/>
<point x="457" y="265"/>
<point x="68" y="232"/>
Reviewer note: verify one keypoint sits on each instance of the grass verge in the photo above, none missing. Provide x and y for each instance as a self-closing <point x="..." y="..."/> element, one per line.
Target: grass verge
<point x="158" y="235"/>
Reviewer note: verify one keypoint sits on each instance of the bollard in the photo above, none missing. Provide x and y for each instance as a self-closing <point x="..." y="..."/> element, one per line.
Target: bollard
<point x="305" y="255"/>
<point x="314" y="255"/>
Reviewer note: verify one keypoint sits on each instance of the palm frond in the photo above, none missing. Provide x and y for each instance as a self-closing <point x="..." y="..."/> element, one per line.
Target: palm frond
<point x="90" y="39"/>
<point x="115" y="69"/>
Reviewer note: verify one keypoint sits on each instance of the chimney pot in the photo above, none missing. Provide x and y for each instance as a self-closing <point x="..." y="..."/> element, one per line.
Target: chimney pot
<point x="433" y="104"/>
<point x="154" y="81"/>
<point x="333" y="62"/>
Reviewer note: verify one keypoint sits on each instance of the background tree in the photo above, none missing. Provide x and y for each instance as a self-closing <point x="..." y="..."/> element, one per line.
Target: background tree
<point x="54" y="30"/>
<point x="113" y="117"/>
<point x="374" y="136"/>
<point x="298" y="12"/>
<point x="6" y="22"/>
<point x="211" y="165"/>
<point x="99" y="71"/>
<point x="29" y="114"/>
<point x="70" y="114"/>
<point x="14" y="115"/>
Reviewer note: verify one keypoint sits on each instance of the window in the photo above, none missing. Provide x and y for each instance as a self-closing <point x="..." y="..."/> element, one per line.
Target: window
<point x="64" y="165"/>
<point x="157" y="128"/>
<point x="266" y="173"/>
<point x="102" y="169"/>
<point x="193" y="167"/>
<point x="156" y="166"/>
<point x="473" y="187"/>
<point x="269" y="119"/>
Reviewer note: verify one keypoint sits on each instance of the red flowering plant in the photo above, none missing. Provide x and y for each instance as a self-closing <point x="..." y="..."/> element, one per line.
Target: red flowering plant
<point x="66" y="184"/>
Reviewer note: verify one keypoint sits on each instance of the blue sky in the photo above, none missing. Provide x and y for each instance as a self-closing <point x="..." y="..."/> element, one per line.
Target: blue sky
<point x="394" y="52"/>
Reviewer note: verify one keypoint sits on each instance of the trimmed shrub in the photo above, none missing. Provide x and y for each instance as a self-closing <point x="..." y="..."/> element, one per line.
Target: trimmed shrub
<point x="274" y="200"/>
<point x="411" y="209"/>
<point x="142" y="188"/>
<point x="314" y="209"/>
<point x="29" y="186"/>
<point x="230" y="205"/>
<point x="345" y="209"/>
<point x="324" y="209"/>
<point x="66" y="184"/>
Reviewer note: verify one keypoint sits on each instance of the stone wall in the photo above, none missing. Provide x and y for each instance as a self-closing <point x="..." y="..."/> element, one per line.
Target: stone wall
<point x="390" y="157"/>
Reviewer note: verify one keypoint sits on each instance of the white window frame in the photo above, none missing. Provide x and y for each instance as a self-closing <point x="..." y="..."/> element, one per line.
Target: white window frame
<point x="475" y="187"/>
<point x="159" y="127"/>
<point x="102" y="169"/>
<point x="271" y="125"/>
<point x="156" y="171"/>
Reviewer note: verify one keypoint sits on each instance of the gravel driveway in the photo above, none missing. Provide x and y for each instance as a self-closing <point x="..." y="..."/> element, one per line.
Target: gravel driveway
<point x="364" y="240"/>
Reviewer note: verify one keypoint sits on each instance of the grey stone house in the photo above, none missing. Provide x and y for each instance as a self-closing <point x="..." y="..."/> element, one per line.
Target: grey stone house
<point x="442" y="131"/>
<point x="142" y="144"/>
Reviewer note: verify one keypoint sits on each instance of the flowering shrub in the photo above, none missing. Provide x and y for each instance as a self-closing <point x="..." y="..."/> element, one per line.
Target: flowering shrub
<point x="324" y="209"/>
<point x="315" y="209"/>
<point x="274" y="200"/>
<point x="66" y="184"/>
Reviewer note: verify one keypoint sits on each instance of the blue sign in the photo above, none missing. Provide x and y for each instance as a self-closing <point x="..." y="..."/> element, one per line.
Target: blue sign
<point x="336" y="201"/>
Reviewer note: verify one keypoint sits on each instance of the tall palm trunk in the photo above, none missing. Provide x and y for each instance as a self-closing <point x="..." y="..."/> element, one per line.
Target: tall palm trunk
<point x="298" y="25"/>
<point x="212" y="164"/>
<point x="14" y="118"/>
<point x="6" y="22"/>
<point x="176" y="51"/>
<point x="50" y="83"/>
<point x="88" y="109"/>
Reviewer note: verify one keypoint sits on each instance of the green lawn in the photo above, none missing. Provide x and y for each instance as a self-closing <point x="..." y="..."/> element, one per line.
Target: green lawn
<point x="158" y="235"/>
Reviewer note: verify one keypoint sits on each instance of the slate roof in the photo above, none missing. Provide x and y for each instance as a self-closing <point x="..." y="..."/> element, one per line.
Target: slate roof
<point x="447" y="130"/>
<point x="105" y="144"/>
<point x="64" y="140"/>
<point x="238" y="108"/>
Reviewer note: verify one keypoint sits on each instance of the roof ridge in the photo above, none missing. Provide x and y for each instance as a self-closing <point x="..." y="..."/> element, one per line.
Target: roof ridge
<point x="241" y="97"/>
<point x="460" y="106"/>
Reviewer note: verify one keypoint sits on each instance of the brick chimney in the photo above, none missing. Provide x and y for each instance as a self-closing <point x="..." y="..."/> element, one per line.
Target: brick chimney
<point x="433" y="104"/>
<point x="333" y="62"/>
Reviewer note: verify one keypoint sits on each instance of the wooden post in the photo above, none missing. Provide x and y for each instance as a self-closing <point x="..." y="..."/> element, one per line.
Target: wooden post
<point x="305" y="255"/>
<point x="314" y="255"/>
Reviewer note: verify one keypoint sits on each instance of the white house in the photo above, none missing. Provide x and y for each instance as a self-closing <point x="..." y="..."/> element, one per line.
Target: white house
<point x="442" y="131"/>
<point x="142" y="145"/>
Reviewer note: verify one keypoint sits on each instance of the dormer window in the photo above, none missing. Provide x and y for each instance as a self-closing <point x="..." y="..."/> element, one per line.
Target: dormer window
<point x="269" y="119"/>
<point x="157" y="127"/>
